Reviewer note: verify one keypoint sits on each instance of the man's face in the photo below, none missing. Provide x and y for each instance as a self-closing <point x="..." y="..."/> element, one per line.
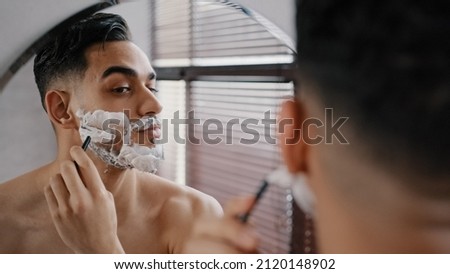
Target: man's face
<point x="119" y="78"/>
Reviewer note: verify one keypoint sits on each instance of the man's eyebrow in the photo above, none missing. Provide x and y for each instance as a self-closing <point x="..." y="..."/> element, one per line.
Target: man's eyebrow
<point x="119" y="69"/>
<point x="126" y="71"/>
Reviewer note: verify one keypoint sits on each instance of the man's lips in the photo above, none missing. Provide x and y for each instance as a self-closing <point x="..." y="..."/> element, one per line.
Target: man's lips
<point x="149" y="134"/>
<point x="154" y="132"/>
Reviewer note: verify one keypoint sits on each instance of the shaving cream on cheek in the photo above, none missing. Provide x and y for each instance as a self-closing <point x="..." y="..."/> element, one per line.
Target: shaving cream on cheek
<point x="104" y="128"/>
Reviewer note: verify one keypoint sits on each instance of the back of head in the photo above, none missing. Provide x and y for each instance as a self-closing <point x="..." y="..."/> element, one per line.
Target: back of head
<point x="385" y="64"/>
<point x="63" y="56"/>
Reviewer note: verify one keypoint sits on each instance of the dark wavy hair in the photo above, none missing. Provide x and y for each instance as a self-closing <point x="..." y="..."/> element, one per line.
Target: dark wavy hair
<point x="64" y="55"/>
<point x="386" y="65"/>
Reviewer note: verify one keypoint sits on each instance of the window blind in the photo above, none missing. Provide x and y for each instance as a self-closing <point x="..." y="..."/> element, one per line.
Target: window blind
<point x="209" y="32"/>
<point x="171" y="31"/>
<point x="227" y="170"/>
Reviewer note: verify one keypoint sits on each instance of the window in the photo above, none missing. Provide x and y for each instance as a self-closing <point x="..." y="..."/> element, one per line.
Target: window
<point x="173" y="99"/>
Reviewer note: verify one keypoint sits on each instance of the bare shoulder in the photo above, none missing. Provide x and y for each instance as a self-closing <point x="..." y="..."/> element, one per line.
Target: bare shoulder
<point x="7" y="222"/>
<point x="180" y="207"/>
<point x="25" y="222"/>
<point x="13" y="214"/>
<point x="5" y="200"/>
<point x="180" y="198"/>
<point x="8" y="195"/>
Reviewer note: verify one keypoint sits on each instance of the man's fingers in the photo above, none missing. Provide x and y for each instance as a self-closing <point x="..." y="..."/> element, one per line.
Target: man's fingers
<point x="206" y="246"/>
<point x="72" y="180"/>
<point x="51" y="199"/>
<point x="238" y="206"/>
<point x="243" y="236"/>
<point x="88" y="171"/>
<point x="60" y="192"/>
<point x="230" y="229"/>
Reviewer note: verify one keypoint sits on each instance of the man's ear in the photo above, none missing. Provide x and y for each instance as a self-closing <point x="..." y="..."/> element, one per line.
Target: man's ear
<point x="293" y="148"/>
<point x="57" y="105"/>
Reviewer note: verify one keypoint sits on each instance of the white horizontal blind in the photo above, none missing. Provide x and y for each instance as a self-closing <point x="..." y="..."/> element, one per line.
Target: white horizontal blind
<point x="171" y="31"/>
<point x="225" y="31"/>
<point x="228" y="170"/>
<point x="208" y="32"/>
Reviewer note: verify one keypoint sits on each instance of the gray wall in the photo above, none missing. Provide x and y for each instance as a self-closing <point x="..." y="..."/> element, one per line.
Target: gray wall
<point x="27" y="139"/>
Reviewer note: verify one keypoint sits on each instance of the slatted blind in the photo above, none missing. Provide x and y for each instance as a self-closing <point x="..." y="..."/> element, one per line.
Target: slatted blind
<point x="223" y="31"/>
<point x="226" y="170"/>
<point x="206" y="32"/>
<point x="196" y="33"/>
<point x="171" y="32"/>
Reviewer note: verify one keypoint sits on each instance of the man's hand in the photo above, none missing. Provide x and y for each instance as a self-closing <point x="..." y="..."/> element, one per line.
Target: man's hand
<point x="83" y="211"/>
<point x="224" y="235"/>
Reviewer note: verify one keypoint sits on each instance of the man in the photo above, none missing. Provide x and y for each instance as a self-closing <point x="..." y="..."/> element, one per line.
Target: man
<point x="385" y="65"/>
<point x="91" y="67"/>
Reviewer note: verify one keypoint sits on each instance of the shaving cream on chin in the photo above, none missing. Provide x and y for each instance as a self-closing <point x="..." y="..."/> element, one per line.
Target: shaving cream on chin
<point x="103" y="127"/>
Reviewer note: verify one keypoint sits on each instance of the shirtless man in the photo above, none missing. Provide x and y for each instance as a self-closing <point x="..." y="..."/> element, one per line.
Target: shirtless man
<point x="94" y="66"/>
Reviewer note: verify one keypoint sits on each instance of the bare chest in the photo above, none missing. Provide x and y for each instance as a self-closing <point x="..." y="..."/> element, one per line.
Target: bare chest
<point x="138" y="236"/>
<point x="31" y="236"/>
<point x="43" y="238"/>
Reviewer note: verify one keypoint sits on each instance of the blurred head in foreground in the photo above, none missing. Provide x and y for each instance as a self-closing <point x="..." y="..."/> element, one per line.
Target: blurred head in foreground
<point x="381" y="179"/>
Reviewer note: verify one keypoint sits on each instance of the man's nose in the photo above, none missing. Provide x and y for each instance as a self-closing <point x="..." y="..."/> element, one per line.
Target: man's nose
<point x="148" y="103"/>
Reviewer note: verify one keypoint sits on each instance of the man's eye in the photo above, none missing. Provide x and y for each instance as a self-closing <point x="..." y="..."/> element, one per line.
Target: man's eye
<point x="121" y="90"/>
<point x="153" y="90"/>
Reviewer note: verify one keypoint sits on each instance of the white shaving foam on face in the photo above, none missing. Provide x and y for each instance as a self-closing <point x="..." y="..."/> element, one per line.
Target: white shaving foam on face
<point x="103" y="127"/>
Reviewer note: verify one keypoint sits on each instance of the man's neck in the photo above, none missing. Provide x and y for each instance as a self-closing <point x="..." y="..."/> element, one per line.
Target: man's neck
<point x="122" y="183"/>
<point x="403" y="226"/>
